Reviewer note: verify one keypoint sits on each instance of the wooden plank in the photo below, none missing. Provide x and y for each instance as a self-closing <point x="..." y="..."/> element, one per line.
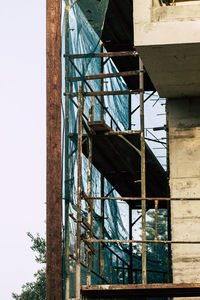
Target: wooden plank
<point x="54" y="191"/>
<point x="99" y="126"/>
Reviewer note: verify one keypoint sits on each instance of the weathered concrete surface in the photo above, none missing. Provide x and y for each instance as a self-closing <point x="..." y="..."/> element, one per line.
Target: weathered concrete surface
<point x="168" y="41"/>
<point x="184" y="155"/>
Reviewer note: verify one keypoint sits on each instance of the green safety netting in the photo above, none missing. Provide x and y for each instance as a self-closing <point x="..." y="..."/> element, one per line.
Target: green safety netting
<point x="83" y="22"/>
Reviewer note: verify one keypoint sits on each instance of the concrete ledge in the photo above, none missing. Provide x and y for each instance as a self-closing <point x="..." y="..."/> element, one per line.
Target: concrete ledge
<point x="175" y="13"/>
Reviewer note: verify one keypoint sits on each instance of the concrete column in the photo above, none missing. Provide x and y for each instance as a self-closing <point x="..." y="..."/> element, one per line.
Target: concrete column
<point x="184" y="155"/>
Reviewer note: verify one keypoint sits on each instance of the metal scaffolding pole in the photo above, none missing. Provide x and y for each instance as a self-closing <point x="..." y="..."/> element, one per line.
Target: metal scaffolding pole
<point x="66" y="160"/>
<point x="102" y="228"/>
<point x="89" y="188"/>
<point x="130" y="209"/>
<point x="130" y="247"/>
<point x="102" y="81"/>
<point x="143" y="172"/>
<point x="170" y="279"/>
<point x="102" y="178"/>
<point x="78" y="251"/>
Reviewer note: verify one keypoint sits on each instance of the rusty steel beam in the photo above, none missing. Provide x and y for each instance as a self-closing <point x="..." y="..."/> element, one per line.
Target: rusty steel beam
<point x="140" y="241"/>
<point x="66" y="167"/>
<point x="90" y="207"/>
<point x="102" y="250"/>
<point x="130" y="277"/>
<point x="54" y="175"/>
<point x="130" y="272"/>
<point x="102" y="263"/>
<point x="104" y="54"/>
<point x="102" y="81"/>
<point x="106" y="93"/>
<point x="143" y="173"/>
<point x="103" y="75"/>
<point x="156" y="220"/>
<point x="79" y="178"/>
<point x="138" y="198"/>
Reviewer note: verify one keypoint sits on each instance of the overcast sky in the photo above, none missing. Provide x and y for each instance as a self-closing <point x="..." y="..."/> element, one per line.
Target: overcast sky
<point x="22" y="133"/>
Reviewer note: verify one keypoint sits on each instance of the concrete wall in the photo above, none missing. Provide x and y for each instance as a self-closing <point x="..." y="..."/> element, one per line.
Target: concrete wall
<point x="164" y="25"/>
<point x="168" y="41"/>
<point x="184" y="155"/>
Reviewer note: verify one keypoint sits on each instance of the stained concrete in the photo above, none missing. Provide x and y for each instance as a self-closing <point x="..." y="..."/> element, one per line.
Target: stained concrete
<point x="168" y="41"/>
<point x="184" y="154"/>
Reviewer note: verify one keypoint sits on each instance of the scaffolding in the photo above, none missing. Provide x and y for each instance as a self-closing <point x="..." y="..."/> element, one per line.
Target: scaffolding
<point x="97" y="140"/>
<point x="98" y="128"/>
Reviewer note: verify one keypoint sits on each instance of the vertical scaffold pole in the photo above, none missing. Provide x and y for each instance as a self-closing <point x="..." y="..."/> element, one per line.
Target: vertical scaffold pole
<point x="66" y="160"/>
<point x="170" y="279"/>
<point x="78" y="251"/>
<point x="130" y="209"/>
<point x="129" y="112"/>
<point x="101" y="82"/>
<point x="89" y="191"/>
<point x="54" y="173"/>
<point x="102" y="228"/>
<point x="130" y="247"/>
<point x="143" y="172"/>
<point x="102" y="178"/>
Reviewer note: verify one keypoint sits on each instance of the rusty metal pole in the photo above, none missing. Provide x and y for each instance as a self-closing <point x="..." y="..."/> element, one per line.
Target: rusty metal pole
<point x="143" y="172"/>
<point x="102" y="178"/>
<point x="170" y="279"/>
<point x="54" y="173"/>
<point x="89" y="191"/>
<point x="129" y="112"/>
<point x="79" y="162"/>
<point x="102" y="81"/>
<point x="102" y="228"/>
<point x="130" y="209"/>
<point x="156" y="220"/>
<point x="130" y="247"/>
<point x="66" y="152"/>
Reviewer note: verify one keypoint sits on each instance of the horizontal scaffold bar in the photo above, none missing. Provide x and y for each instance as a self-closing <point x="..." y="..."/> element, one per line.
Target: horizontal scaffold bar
<point x="106" y="54"/>
<point x="140" y="199"/>
<point x="123" y="132"/>
<point x="105" y="93"/>
<point x="142" y="290"/>
<point x="139" y="241"/>
<point x="102" y="75"/>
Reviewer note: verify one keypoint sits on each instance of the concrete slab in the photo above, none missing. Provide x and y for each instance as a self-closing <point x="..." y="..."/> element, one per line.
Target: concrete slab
<point x="168" y="41"/>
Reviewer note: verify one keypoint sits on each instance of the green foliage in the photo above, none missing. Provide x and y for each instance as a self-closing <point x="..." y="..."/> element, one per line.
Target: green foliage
<point x="35" y="290"/>
<point x="157" y="252"/>
<point x="39" y="246"/>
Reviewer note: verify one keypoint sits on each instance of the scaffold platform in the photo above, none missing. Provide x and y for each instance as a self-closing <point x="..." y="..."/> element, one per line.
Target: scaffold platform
<point x="140" y="291"/>
<point x="115" y="156"/>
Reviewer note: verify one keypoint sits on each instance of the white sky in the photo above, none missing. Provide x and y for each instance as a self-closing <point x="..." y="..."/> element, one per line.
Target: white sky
<point x="22" y="133"/>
